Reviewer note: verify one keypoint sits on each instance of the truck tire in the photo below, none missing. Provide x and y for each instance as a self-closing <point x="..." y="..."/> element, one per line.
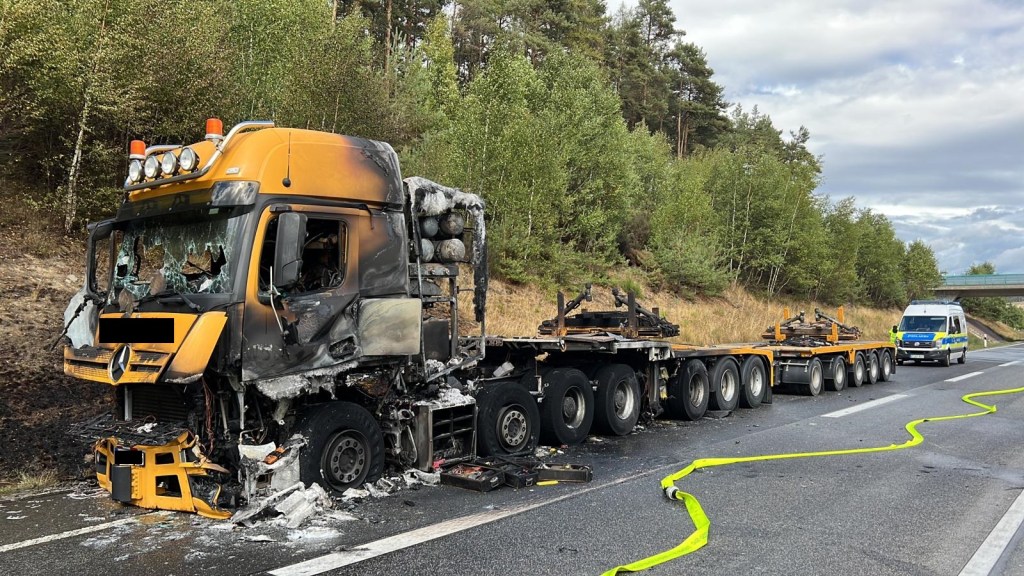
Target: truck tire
<point x="617" y="400"/>
<point x="815" y="378"/>
<point x="872" y="368"/>
<point x="725" y="385"/>
<point x="755" y="382"/>
<point x="885" y="366"/>
<point x="508" y="420"/>
<point x="856" y="374"/>
<point x="567" y="410"/>
<point x="345" y="447"/>
<point x="835" y="374"/>
<point x="689" y="391"/>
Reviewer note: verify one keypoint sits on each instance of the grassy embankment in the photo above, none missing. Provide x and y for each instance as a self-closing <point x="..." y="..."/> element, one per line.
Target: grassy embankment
<point x="736" y="316"/>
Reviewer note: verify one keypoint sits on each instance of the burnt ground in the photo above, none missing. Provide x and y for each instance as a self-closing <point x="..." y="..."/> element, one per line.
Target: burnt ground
<point x="40" y="269"/>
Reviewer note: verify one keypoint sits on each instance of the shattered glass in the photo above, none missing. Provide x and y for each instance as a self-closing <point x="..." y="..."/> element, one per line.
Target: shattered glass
<point x="190" y="253"/>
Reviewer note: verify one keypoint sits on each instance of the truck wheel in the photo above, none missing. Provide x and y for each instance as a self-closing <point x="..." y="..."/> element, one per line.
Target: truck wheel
<point x="617" y="400"/>
<point x="872" y="368"/>
<point x="567" y="410"/>
<point x="945" y="361"/>
<point x="835" y="376"/>
<point x="815" y="378"/>
<point x="507" y="420"/>
<point x="688" y="391"/>
<point x="725" y="385"/>
<point x="345" y="446"/>
<point x="885" y="366"/>
<point x="856" y="373"/>
<point x="755" y="382"/>
<point x="963" y="356"/>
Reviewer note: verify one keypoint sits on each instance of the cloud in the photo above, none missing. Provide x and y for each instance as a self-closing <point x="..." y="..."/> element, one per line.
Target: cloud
<point x="915" y="106"/>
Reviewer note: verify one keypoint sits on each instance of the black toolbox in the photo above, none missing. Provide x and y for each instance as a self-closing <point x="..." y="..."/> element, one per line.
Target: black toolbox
<point x="564" y="472"/>
<point x="473" y="477"/>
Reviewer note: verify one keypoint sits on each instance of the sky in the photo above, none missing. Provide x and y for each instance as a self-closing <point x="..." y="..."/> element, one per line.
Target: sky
<point x="916" y="107"/>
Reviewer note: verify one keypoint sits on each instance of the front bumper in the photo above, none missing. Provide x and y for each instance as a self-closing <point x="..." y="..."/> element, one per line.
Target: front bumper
<point x="921" y="353"/>
<point x="172" y="476"/>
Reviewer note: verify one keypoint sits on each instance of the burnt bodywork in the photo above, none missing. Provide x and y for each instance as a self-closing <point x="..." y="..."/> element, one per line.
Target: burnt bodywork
<point x="251" y="357"/>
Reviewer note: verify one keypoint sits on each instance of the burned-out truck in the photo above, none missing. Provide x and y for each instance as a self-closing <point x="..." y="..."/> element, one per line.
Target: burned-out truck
<point x="286" y="287"/>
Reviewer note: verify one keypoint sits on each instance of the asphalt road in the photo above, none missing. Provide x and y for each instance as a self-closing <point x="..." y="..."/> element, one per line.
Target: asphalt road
<point x="924" y="510"/>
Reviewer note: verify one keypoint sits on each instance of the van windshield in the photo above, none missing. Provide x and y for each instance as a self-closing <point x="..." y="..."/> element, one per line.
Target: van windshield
<point x="923" y="324"/>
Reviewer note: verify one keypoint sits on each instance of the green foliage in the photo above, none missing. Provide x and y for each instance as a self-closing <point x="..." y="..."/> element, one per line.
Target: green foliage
<point x="597" y="142"/>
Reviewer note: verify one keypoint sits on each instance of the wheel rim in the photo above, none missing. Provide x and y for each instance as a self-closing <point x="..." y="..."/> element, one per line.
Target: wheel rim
<point x="696" y="391"/>
<point x="859" y="369"/>
<point x="874" y="369"/>
<point x="756" y="382"/>
<point x="623" y="400"/>
<point x="839" y="374"/>
<point x="574" y="407"/>
<point x="513" y="428"/>
<point x="729" y="386"/>
<point x="344" y="461"/>
<point x="816" y="378"/>
<point x="886" y="364"/>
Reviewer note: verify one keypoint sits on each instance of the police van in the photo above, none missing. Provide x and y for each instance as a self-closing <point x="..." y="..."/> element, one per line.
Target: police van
<point x="932" y="330"/>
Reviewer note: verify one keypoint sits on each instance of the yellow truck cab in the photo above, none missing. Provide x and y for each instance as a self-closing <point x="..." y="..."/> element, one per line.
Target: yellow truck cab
<point x="932" y="330"/>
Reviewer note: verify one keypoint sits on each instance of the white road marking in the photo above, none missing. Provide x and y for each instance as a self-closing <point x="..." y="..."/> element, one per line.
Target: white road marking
<point x="984" y="560"/>
<point x="384" y="546"/>
<point x="68" y="534"/>
<point x="1015" y="362"/>
<point x="864" y="406"/>
<point x="964" y="377"/>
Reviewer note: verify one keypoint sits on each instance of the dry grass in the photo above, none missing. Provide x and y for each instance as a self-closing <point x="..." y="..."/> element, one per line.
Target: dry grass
<point x="29" y="482"/>
<point x="736" y="316"/>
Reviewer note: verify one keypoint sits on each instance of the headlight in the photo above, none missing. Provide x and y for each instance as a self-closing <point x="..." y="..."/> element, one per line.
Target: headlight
<point x="134" y="171"/>
<point x="188" y="159"/>
<point x="169" y="163"/>
<point x="151" y="167"/>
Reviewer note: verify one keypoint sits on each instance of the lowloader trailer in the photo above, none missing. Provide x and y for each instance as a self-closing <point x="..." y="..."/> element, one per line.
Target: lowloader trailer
<point x="273" y="304"/>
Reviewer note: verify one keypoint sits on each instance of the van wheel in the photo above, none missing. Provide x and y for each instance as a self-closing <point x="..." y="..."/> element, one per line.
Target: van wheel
<point x="688" y="391"/>
<point x="857" y="372"/>
<point x="755" y="382"/>
<point x="945" y="361"/>
<point x="346" y="447"/>
<point x="963" y="357"/>
<point x="567" y="411"/>
<point x="725" y="385"/>
<point x="617" y="400"/>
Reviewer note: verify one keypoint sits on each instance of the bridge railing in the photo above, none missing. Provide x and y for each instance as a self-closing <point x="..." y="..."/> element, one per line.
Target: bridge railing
<point x="983" y="280"/>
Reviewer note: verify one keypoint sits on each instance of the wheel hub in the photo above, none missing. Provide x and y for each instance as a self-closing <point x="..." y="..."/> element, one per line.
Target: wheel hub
<point x="623" y="400"/>
<point x="344" y="461"/>
<point x="512" y="428"/>
<point x="573" y="408"/>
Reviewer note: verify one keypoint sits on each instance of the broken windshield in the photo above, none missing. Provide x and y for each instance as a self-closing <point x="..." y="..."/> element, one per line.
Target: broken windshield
<point x="186" y="253"/>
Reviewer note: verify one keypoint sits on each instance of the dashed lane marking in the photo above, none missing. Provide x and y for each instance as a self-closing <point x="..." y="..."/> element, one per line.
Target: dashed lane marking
<point x="964" y="377"/>
<point x="864" y="406"/>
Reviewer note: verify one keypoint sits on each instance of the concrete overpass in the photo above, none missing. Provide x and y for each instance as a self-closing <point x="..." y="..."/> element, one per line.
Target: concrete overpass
<point x="956" y="287"/>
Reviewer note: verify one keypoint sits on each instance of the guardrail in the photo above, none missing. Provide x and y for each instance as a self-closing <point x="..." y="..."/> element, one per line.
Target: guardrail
<point x="983" y="280"/>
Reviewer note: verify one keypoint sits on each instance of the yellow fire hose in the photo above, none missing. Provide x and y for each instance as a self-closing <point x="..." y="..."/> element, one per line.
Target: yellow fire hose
<point x="699" y="537"/>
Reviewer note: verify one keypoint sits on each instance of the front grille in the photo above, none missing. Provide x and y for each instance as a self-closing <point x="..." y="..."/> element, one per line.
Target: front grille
<point x="160" y="402"/>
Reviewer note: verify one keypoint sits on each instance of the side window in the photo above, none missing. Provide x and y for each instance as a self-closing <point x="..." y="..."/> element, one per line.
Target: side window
<point x="956" y="325"/>
<point x="324" y="256"/>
